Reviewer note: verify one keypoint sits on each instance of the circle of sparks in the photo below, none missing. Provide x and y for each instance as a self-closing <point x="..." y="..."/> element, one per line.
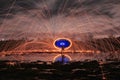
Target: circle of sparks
<point x="62" y="43"/>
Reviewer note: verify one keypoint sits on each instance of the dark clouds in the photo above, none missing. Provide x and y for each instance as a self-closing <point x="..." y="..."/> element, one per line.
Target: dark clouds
<point x="97" y="17"/>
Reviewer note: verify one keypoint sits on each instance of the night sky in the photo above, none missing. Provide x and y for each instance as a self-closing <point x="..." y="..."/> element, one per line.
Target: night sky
<point x="21" y="18"/>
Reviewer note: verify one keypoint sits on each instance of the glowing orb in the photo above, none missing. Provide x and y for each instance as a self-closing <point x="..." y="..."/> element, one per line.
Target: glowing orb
<point x="62" y="58"/>
<point x="62" y="43"/>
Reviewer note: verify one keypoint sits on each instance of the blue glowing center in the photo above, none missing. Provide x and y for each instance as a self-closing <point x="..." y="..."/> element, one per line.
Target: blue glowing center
<point x="62" y="43"/>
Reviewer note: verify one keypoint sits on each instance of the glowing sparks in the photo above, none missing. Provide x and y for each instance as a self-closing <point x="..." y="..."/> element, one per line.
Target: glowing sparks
<point x="62" y="43"/>
<point x="11" y="63"/>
